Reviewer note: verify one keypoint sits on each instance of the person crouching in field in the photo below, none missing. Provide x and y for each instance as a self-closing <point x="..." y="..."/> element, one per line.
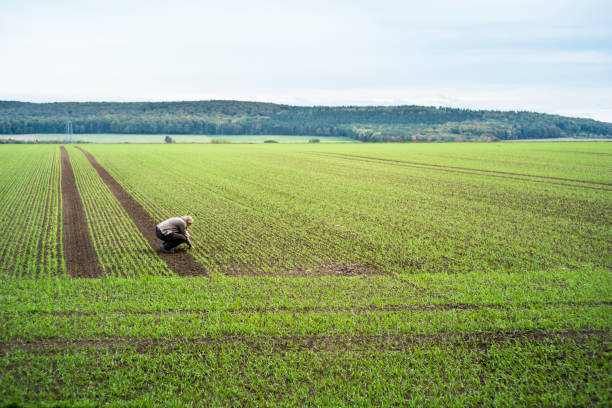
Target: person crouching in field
<point x="173" y="232"/>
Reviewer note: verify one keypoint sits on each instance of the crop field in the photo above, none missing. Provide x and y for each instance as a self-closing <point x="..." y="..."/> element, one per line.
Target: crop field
<point x="321" y="274"/>
<point x="112" y="230"/>
<point x="30" y="206"/>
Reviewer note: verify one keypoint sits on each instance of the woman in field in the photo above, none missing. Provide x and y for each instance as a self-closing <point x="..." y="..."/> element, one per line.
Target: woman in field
<point x="173" y="232"/>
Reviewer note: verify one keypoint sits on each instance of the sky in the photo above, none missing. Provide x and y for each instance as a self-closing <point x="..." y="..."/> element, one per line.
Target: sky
<point x="544" y="56"/>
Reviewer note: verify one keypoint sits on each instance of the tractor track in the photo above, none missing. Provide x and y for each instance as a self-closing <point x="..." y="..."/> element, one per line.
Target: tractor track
<point x="303" y="310"/>
<point x="181" y="262"/>
<point x="79" y="254"/>
<point x="386" y="342"/>
<point x="593" y="185"/>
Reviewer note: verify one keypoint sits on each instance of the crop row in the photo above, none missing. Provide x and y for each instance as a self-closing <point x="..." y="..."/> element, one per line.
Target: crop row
<point x="525" y="373"/>
<point x="579" y="161"/>
<point x="315" y="323"/>
<point x="227" y="294"/>
<point x="226" y="230"/>
<point x="30" y="212"/>
<point x="262" y="209"/>
<point x="121" y="248"/>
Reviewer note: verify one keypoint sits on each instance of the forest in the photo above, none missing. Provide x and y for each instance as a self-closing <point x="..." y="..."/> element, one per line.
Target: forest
<point x="365" y="123"/>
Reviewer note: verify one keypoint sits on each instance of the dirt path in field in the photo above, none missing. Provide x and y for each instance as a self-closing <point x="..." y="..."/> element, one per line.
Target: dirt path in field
<point x="181" y="262"/>
<point x="79" y="254"/>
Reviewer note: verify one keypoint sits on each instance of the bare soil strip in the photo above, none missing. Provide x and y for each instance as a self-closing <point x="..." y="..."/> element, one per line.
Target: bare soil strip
<point x="79" y="254"/>
<point x="335" y="268"/>
<point x="387" y="342"/>
<point x="60" y="242"/>
<point x="181" y="262"/>
<point x="465" y="170"/>
<point x="312" y="309"/>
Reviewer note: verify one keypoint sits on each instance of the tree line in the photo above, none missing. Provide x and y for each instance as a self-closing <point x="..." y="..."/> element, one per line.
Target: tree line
<point x="369" y="123"/>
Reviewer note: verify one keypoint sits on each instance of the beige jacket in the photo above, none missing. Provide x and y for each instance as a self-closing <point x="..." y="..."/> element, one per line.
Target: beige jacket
<point x="174" y="225"/>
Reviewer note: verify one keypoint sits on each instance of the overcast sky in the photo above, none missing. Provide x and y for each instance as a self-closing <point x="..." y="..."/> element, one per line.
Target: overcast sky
<point x="546" y="56"/>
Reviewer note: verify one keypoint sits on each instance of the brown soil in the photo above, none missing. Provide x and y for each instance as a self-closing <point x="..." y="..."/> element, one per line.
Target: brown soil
<point x="344" y="269"/>
<point x="79" y="254"/>
<point x="334" y="268"/>
<point x="390" y="342"/>
<point x="181" y="262"/>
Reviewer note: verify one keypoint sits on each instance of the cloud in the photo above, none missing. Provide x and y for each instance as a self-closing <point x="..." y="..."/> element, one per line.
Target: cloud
<point x="551" y="56"/>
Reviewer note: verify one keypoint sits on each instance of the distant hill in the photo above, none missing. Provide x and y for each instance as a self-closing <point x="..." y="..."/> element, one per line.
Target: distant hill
<point x="366" y="123"/>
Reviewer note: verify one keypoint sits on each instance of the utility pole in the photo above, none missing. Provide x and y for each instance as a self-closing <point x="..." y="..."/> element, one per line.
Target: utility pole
<point x="69" y="130"/>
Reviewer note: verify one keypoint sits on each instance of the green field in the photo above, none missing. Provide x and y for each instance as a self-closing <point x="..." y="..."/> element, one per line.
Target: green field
<point x="336" y="275"/>
<point x="148" y="138"/>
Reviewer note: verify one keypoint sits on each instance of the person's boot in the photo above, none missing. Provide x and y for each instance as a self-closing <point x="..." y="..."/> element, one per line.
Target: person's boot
<point x="166" y="250"/>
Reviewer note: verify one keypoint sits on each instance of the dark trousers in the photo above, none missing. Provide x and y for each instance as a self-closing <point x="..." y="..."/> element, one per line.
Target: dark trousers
<point x="170" y="240"/>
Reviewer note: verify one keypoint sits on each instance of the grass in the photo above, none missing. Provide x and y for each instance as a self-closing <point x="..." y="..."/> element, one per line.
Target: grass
<point x="334" y="281"/>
